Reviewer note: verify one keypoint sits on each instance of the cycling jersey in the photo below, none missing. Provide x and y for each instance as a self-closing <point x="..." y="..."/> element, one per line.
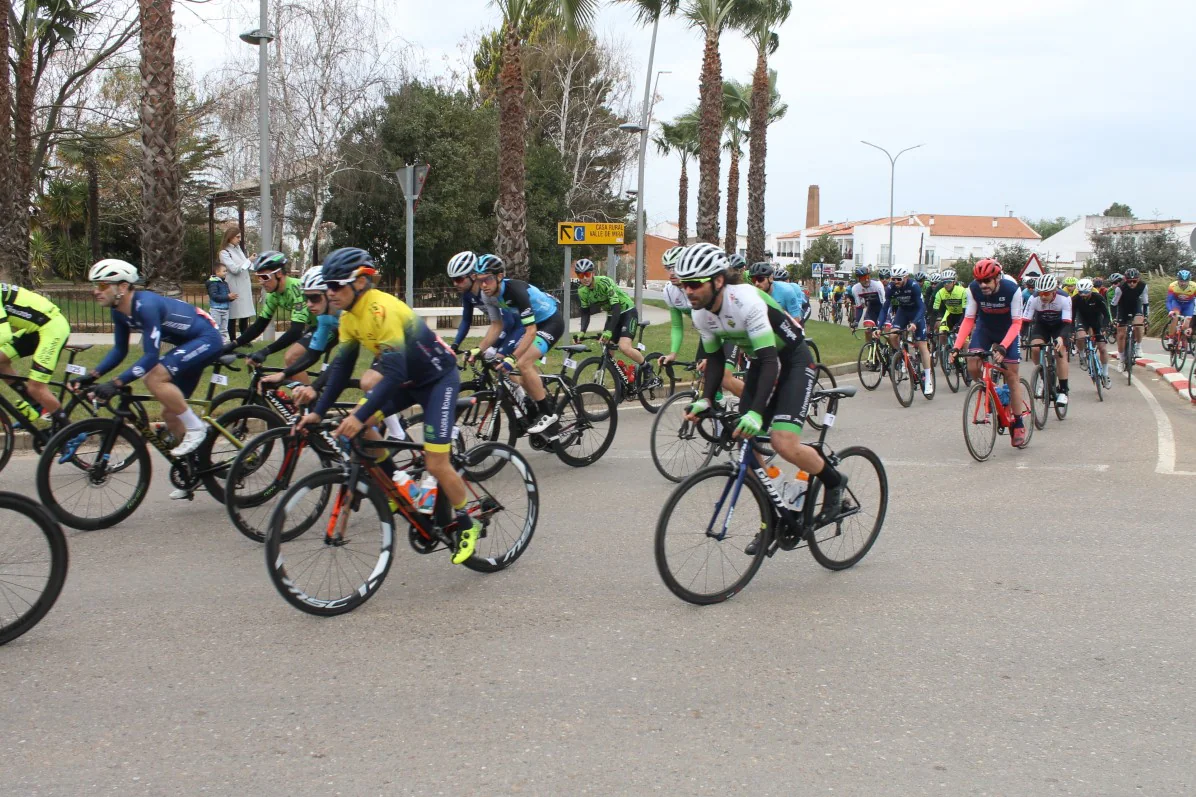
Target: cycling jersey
<point x="31" y="326"/>
<point x="951" y="302"/>
<point x="289" y="300"/>
<point x="605" y="295"/>
<point x="904" y="304"/>
<point x="21" y="309"/>
<point x="749" y="318"/>
<point x="1090" y="311"/>
<point x="469" y="302"/>
<point x="868" y="300"/>
<point x="789" y="296"/>
<point x="319" y="340"/>
<point x="532" y="304"/>
<point x="997" y="318"/>
<point x="1181" y="296"/>
<point x="161" y="319"/>
<point x="1130" y="301"/>
<point x="1048" y="319"/>
<point x="679" y="307"/>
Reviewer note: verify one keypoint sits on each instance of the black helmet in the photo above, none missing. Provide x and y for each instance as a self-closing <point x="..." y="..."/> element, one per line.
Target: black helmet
<point x="862" y="271"/>
<point x="347" y="264"/>
<point x="490" y="264"/>
<point x="761" y="269"/>
<point x="736" y="262"/>
<point x="1132" y="274"/>
<point x="269" y="261"/>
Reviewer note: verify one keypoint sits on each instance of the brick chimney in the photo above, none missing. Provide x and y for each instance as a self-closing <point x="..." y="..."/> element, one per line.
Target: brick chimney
<point x="812" y="210"/>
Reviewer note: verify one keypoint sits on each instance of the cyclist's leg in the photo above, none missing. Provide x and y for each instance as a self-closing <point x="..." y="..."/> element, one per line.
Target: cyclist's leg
<point x="625" y="336"/>
<point x="21" y="345"/>
<point x="1138" y="329"/>
<point x="52" y="337"/>
<point x="175" y="378"/>
<point x="293" y="353"/>
<point x="1010" y="367"/>
<point x="548" y="334"/>
<point x="786" y="414"/>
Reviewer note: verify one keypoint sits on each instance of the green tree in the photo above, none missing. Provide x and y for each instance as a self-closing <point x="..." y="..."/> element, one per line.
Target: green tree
<point x="1164" y="254"/>
<point x="9" y="228"/>
<point x="737" y="98"/>
<point x="963" y="270"/>
<point x="763" y="21"/>
<point x="681" y="137"/>
<point x="1112" y="253"/>
<point x="1119" y="210"/>
<point x="1048" y="227"/>
<point x="823" y="250"/>
<point x="1012" y="257"/>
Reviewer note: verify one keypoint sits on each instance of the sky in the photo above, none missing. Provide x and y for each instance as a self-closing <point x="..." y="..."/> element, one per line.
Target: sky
<point x="1042" y="108"/>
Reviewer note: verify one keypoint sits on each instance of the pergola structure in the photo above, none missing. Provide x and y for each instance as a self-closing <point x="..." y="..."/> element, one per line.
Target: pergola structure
<point x="238" y="195"/>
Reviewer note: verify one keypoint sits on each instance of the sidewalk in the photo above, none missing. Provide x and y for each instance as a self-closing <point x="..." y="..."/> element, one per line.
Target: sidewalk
<point x="1155" y="359"/>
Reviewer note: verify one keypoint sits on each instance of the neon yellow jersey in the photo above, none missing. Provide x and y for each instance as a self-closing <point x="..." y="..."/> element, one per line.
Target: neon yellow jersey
<point x="380" y="322"/>
<point x="1071" y="292"/>
<point x="953" y="300"/>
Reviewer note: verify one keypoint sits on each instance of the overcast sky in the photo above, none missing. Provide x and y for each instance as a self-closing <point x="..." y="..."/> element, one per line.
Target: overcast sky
<point x="1042" y="107"/>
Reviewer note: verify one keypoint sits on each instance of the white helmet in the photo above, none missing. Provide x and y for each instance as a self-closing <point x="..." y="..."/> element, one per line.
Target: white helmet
<point x="113" y="270"/>
<point x="701" y="260"/>
<point x="462" y="264"/>
<point x="313" y="280"/>
<point x="899" y="272"/>
<point x="1047" y="282"/>
<point x="1084" y="285"/>
<point x="948" y="275"/>
<point x="671" y="256"/>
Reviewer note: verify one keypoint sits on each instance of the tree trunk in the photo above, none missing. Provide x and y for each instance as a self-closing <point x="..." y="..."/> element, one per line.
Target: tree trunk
<point x="161" y="213"/>
<point x="710" y="134"/>
<point x="757" y="152"/>
<point x="510" y="238"/>
<point x="93" y="206"/>
<point x="683" y="207"/>
<point x="22" y="150"/>
<point x="7" y="207"/>
<point x="732" y="245"/>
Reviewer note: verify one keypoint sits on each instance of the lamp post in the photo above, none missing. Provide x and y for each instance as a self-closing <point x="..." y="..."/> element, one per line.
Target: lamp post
<point x="260" y="37"/>
<point x="892" y="178"/>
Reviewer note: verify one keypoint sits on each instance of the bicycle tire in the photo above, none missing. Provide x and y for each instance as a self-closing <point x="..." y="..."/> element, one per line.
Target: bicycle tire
<point x="979" y="415"/>
<point x="51" y="473"/>
<point x="511" y="544"/>
<point x="582" y="411"/>
<point x="898" y="375"/>
<point x="370" y="561"/>
<point x="822" y="542"/>
<point x="673" y="460"/>
<point x="1098" y="380"/>
<point x="7" y="438"/>
<point x="870" y="357"/>
<point x="712" y="481"/>
<point x="16" y="579"/>
<point x="654" y="398"/>
<point x="817" y="355"/>
<point x="591" y="371"/>
<point x="950" y="368"/>
<point x="1128" y="355"/>
<point x="253" y="486"/>
<point x="216" y="453"/>
<point x="823" y="380"/>
<point x="1028" y="403"/>
<point x="921" y="368"/>
<point x="1044" y="406"/>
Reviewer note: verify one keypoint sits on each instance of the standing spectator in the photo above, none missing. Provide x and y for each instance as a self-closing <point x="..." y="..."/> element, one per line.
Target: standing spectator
<point x="240" y="283"/>
<point x="219" y="297"/>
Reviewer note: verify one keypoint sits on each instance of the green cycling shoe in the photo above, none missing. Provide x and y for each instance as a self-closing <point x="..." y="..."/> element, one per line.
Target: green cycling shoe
<point x="467" y="542"/>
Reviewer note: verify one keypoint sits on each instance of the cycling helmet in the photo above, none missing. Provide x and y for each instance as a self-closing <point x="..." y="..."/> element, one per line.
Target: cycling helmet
<point x="781" y="273"/>
<point x="884" y="273"/>
<point x="948" y="275"/>
<point x="736" y="262"/>
<point x="762" y="269"/>
<point x="701" y="260"/>
<point x="269" y="261"/>
<point x="1046" y="282"/>
<point x="584" y="266"/>
<point x="1028" y="282"/>
<point x="671" y="256"/>
<point x="900" y="272"/>
<point x="1084" y="286"/>
<point x="1132" y="274"/>
<point x="1184" y="275"/>
<point x="1115" y="278"/>
<point x="313" y="280"/>
<point x="862" y="271"/>
<point x="489" y="264"/>
<point x="347" y="264"/>
<point x="1097" y="282"/>
<point x="986" y="269"/>
<point x="1069" y="282"/>
<point x="935" y="277"/>
<point x="461" y="264"/>
<point x="113" y="270"/>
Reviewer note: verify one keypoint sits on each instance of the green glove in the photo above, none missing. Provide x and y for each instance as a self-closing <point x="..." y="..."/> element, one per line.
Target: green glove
<point x="750" y="424"/>
<point x="699" y="406"/>
<point x="605" y="335"/>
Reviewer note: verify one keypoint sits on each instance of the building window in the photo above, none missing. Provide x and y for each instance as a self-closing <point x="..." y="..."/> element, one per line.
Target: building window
<point x="959" y="252"/>
<point x="884" y="259"/>
<point x="929" y="257"/>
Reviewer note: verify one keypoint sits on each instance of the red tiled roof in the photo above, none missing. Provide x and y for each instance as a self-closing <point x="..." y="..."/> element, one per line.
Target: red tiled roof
<point x="1143" y="226"/>
<point x="977" y="226"/>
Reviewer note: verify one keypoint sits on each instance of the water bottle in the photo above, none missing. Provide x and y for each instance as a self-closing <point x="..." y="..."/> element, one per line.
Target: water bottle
<point x="405" y="485"/>
<point x="1003" y="395"/>
<point x="795" y="491"/>
<point x="425" y="498"/>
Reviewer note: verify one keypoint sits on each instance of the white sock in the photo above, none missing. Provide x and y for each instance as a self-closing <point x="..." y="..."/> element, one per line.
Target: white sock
<point x="191" y="421"/>
<point x="393" y="428"/>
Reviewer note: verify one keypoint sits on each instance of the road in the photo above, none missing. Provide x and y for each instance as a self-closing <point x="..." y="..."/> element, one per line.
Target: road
<point x="1023" y="626"/>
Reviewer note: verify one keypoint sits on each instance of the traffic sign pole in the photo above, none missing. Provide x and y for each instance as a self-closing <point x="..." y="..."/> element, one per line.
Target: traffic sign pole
<point x="409" y="193"/>
<point x="611" y="268"/>
<point x="565" y="288"/>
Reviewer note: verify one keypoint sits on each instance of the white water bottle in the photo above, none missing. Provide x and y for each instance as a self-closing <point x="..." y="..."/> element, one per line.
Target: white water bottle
<point x="794" y="493"/>
<point x="425" y="499"/>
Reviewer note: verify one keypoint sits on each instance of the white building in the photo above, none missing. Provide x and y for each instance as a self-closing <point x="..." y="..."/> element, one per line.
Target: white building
<point x="670" y="229"/>
<point x="1071" y="245"/>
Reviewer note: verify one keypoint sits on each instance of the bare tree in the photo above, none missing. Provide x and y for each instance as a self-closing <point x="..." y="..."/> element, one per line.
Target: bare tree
<point x="8" y="209"/>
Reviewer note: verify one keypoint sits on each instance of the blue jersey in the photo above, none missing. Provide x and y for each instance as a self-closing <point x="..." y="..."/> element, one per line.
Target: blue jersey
<point x="326" y="332"/>
<point x="159" y="319"/>
<point x="531" y="304"/>
<point x="996" y="312"/>
<point x="790" y="297"/>
<point x="905" y="301"/>
<point x="471" y="301"/>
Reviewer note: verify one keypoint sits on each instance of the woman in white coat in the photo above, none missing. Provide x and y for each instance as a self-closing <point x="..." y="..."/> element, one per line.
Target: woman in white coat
<point x="240" y="281"/>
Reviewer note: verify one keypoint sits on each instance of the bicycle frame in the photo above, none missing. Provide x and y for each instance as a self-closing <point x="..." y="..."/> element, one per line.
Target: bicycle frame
<point x="1004" y="411"/>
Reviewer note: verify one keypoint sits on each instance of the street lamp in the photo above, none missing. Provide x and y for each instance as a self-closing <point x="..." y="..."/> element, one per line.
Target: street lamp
<point x="260" y="37"/>
<point x="892" y="177"/>
<point x="642" y="129"/>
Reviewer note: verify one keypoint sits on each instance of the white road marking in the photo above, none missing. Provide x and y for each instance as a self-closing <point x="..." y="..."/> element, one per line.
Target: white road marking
<point x="1166" y="463"/>
<point x="963" y="463"/>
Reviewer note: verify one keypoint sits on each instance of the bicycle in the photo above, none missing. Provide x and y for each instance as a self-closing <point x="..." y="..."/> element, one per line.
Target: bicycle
<point x="1177" y="344"/>
<point x="1045" y="383"/>
<point x="1128" y="360"/>
<point x="690" y="538"/>
<point x="872" y="363"/>
<point x="954" y="368"/>
<point x="983" y="402"/>
<point x="1090" y="362"/>
<point x="906" y="372"/>
<point x="824" y="310"/>
<point x="626" y="379"/>
<point x="344" y="560"/>
<point x="33" y="564"/>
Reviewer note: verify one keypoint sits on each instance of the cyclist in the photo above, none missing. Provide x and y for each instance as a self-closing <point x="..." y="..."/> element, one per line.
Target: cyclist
<point x="949" y="302"/>
<point x="1090" y="314"/>
<point x="1069" y="287"/>
<point x="1115" y="279"/>
<point x="32" y="326"/>
<point x="903" y="310"/>
<point x="1181" y="298"/>
<point x="786" y="294"/>
<point x="412" y="365"/>
<point x="283" y="296"/>
<point x="621" y="317"/>
<point x="461" y="272"/>
<point x="1098" y="285"/>
<point x="323" y="332"/>
<point x="738" y="264"/>
<point x="1049" y="317"/>
<point x="678" y="304"/>
<point x="170" y="377"/>
<point x="1027" y="289"/>
<point x="543" y="327"/>
<point x="837" y="296"/>
<point x="780" y="379"/>
<point x="1131" y="304"/>
<point x="992" y="318"/>
<point x="929" y="287"/>
<point x="869" y="297"/>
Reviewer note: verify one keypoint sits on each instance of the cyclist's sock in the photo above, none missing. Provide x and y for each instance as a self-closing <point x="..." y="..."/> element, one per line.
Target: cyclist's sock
<point x="393" y="428"/>
<point x="191" y="421"/>
<point x="1063" y="385"/>
<point x="829" y="476"/>
<point x="545" y="406"/>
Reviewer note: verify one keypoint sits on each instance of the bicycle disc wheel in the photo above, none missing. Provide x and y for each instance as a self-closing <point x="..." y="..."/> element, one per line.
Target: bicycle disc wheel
<point x="869" y="365"/>
<point x="86" y="488"/>
<point x="217" y="452"/>
<point x="823" y="380"/>
<point x="678" y="450"/>
<point x="979" y="423"/>
<point x="506" y="501"/>
<point x="695" y="566"/>
<point x="7" y="438"/>
<point x="590" y="372"/>
<point x="903" y="382"/>
<point x="653" y="398"/>
<point x="33" y="564"/>
<point x="588" y="421"/>
<point x="842" y="543"/>
<point x="262" y="471"/>
<point x="1042" y="406"/>
<point x="345" y="554"/>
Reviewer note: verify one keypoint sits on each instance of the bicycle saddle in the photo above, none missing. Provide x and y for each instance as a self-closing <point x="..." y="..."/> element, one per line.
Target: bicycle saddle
<point x="573" y="347"/>
<point x="843" y="391"/>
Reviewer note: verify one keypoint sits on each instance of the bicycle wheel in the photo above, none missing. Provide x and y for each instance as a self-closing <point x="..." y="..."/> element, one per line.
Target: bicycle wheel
<point x="1042" y="406"/>
<point x="1128" y="356"/>
<point x="823" y="380"/>
<point x="869" y="365"/>
<point x="678" y="450"/>
<point x="226" y="400"/>
<point x="588" y="421"/>
<point x="979" y="423"/>
<point x="346" y="553"/>
<point x="814" y="350"/>
<point x="1028" y="404"/>
<point x="590" y="371"/>
<point x="86" y="485"/>
<point x="488" y="420"/>
<point x="653" y="398"/>
<point x="7" y="438"/>
<point x="260" y="474"/>
<point x="700" y="568"/>
<point x="33" y="564"/>
<point x="506" y="501"/>
<point x="218" y="450"/>
<point x="903" y="382"/>
<point x="922" y="369"/>
<point x="845" y="540"/>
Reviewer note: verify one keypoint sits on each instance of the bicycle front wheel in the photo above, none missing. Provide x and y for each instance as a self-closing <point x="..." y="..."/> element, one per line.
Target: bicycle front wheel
<point x="701" y="536"/>
<point x="7" y="438"/>
<point x="261" y="473"/>
<point x="226" y="439"/>
<point x="506" y="502"/>
<point x="678" y="450"/>
<point x="87" y="483"/>
<point x="345" y="554"/>
<point x="33" y="564"/>
<point x="588" y="421"/>
<point x="591" y="371"/>
<point x="1041" y="394"/>
<point x="950" y="368"/>
<point x="869" y="365"/>
<point x="903" y="381"/>
<point x="847" y="538"/>
<point x="979" y="423"/>
<point x="653" y="398"/>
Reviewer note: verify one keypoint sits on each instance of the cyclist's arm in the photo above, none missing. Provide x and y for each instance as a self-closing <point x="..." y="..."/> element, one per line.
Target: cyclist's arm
<point x="321" y="339"/>
<point x="294" y="332"/>
<point x="716" y="363"/>
<point x="151" y="342"/>
<point x="393" y="367"/>
<point x="5" y="327"/>
<point x="1015" y="323"/>
<point x="120" y="346"/>
<point x="255" y="330"/>
<point x="676" y="329"/>
<point x="583" y="302"/>
<point x="339" y="372"/>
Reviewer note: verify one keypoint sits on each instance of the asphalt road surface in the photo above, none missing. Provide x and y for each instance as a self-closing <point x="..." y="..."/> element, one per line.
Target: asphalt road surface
<point x="1022" y="626"/>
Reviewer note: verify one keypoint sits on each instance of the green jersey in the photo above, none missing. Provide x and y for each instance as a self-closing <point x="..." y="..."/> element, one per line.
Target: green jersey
<point x="604" y="294"/>
<point x="289" y="300"/>
<point x="951" y="301"/>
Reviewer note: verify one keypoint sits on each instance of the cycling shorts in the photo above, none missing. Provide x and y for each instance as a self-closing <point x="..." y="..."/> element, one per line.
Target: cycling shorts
<point x="506" y="344"/>
<point x="950" y="321"/>
<point x="983" y="339"/>
<point x="439" y="402"/>
<point x="44" y="344"/>
<point x="871" y="315"/>
<point x="903" y="320"/>
<point x="1125" y="316"/>
<point x="1043" y="331"/>
<point x="1185" y="308"/>
<point x="186" y="362"/>
<point x="548" y="332"/>
<point x="790" y="401"/>
<point x="627" y="325"/>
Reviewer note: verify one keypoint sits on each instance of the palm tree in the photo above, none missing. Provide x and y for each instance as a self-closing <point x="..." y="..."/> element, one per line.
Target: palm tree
<point x="510" y="238"/>
<point x="761" y="29"/>
<point x="7" y="208"/>
<point x="736" y="101"/>
<point x="161" y="212"/>
<point x="680" y="136"/>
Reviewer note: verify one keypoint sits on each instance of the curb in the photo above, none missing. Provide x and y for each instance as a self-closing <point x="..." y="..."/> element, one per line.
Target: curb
<point x="1169" y="375"/>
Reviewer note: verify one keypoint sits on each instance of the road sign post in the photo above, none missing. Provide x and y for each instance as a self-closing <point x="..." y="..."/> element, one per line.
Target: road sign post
<point x="611" y="263"/>
<point x="565" y="289"/>
<point x="411" y="179"/>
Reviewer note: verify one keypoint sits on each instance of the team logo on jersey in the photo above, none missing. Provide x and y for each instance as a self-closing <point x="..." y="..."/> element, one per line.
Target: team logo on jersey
<point x="378" y="311"/>
<point x="731" y="323"/>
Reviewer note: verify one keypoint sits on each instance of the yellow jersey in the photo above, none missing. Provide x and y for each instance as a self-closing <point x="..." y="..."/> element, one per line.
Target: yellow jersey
<point x="380" y="322"/>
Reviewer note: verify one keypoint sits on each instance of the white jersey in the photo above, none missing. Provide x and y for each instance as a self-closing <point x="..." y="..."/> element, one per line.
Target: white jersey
<point x="749" y="318"/>
<point x="1057" y="310"/>
<point x="674" y="296"/>
<point x="873" y="295"/>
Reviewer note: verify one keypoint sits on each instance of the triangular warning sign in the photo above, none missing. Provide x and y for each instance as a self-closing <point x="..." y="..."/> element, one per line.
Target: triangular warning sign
<point x="1033" y="268"/>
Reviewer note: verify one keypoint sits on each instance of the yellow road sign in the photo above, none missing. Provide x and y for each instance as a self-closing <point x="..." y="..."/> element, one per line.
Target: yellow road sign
<point x="588" y="232"/>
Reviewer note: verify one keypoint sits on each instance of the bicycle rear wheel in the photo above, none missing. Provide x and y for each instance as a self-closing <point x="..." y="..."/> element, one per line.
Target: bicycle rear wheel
<point x="487" y="421"/>
<point x="979" y="423"/>
<point x="346" y="552"/>
<point x="698" y="567"/>
<point x="950" y="368"/>
<point x="262" y="471"/>
<point x="87" y="485"/>
<point x="678" y="450"/>
<point x="869" y="365"/>
<point x="903" y="382"/>
<point x="1042" y="407"/>
<point x="588" y="422"/>
<point x="846" y="539"/>
<point x="654" y="398"/>
<point x="33" y="564"/>
<point x="591" y="371"/>
<point x="814" y="350"/>
<point x="7" y="438"/>
<point x="506" y="501"/>
<point x="823" y="380"/>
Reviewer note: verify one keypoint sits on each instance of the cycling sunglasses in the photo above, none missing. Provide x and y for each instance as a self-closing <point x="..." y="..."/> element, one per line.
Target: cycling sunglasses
<point x="267" y="276"/>
<point x="760" y="277"/>
<point x="694" y="284"/>
<point x="313" y="297"/>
